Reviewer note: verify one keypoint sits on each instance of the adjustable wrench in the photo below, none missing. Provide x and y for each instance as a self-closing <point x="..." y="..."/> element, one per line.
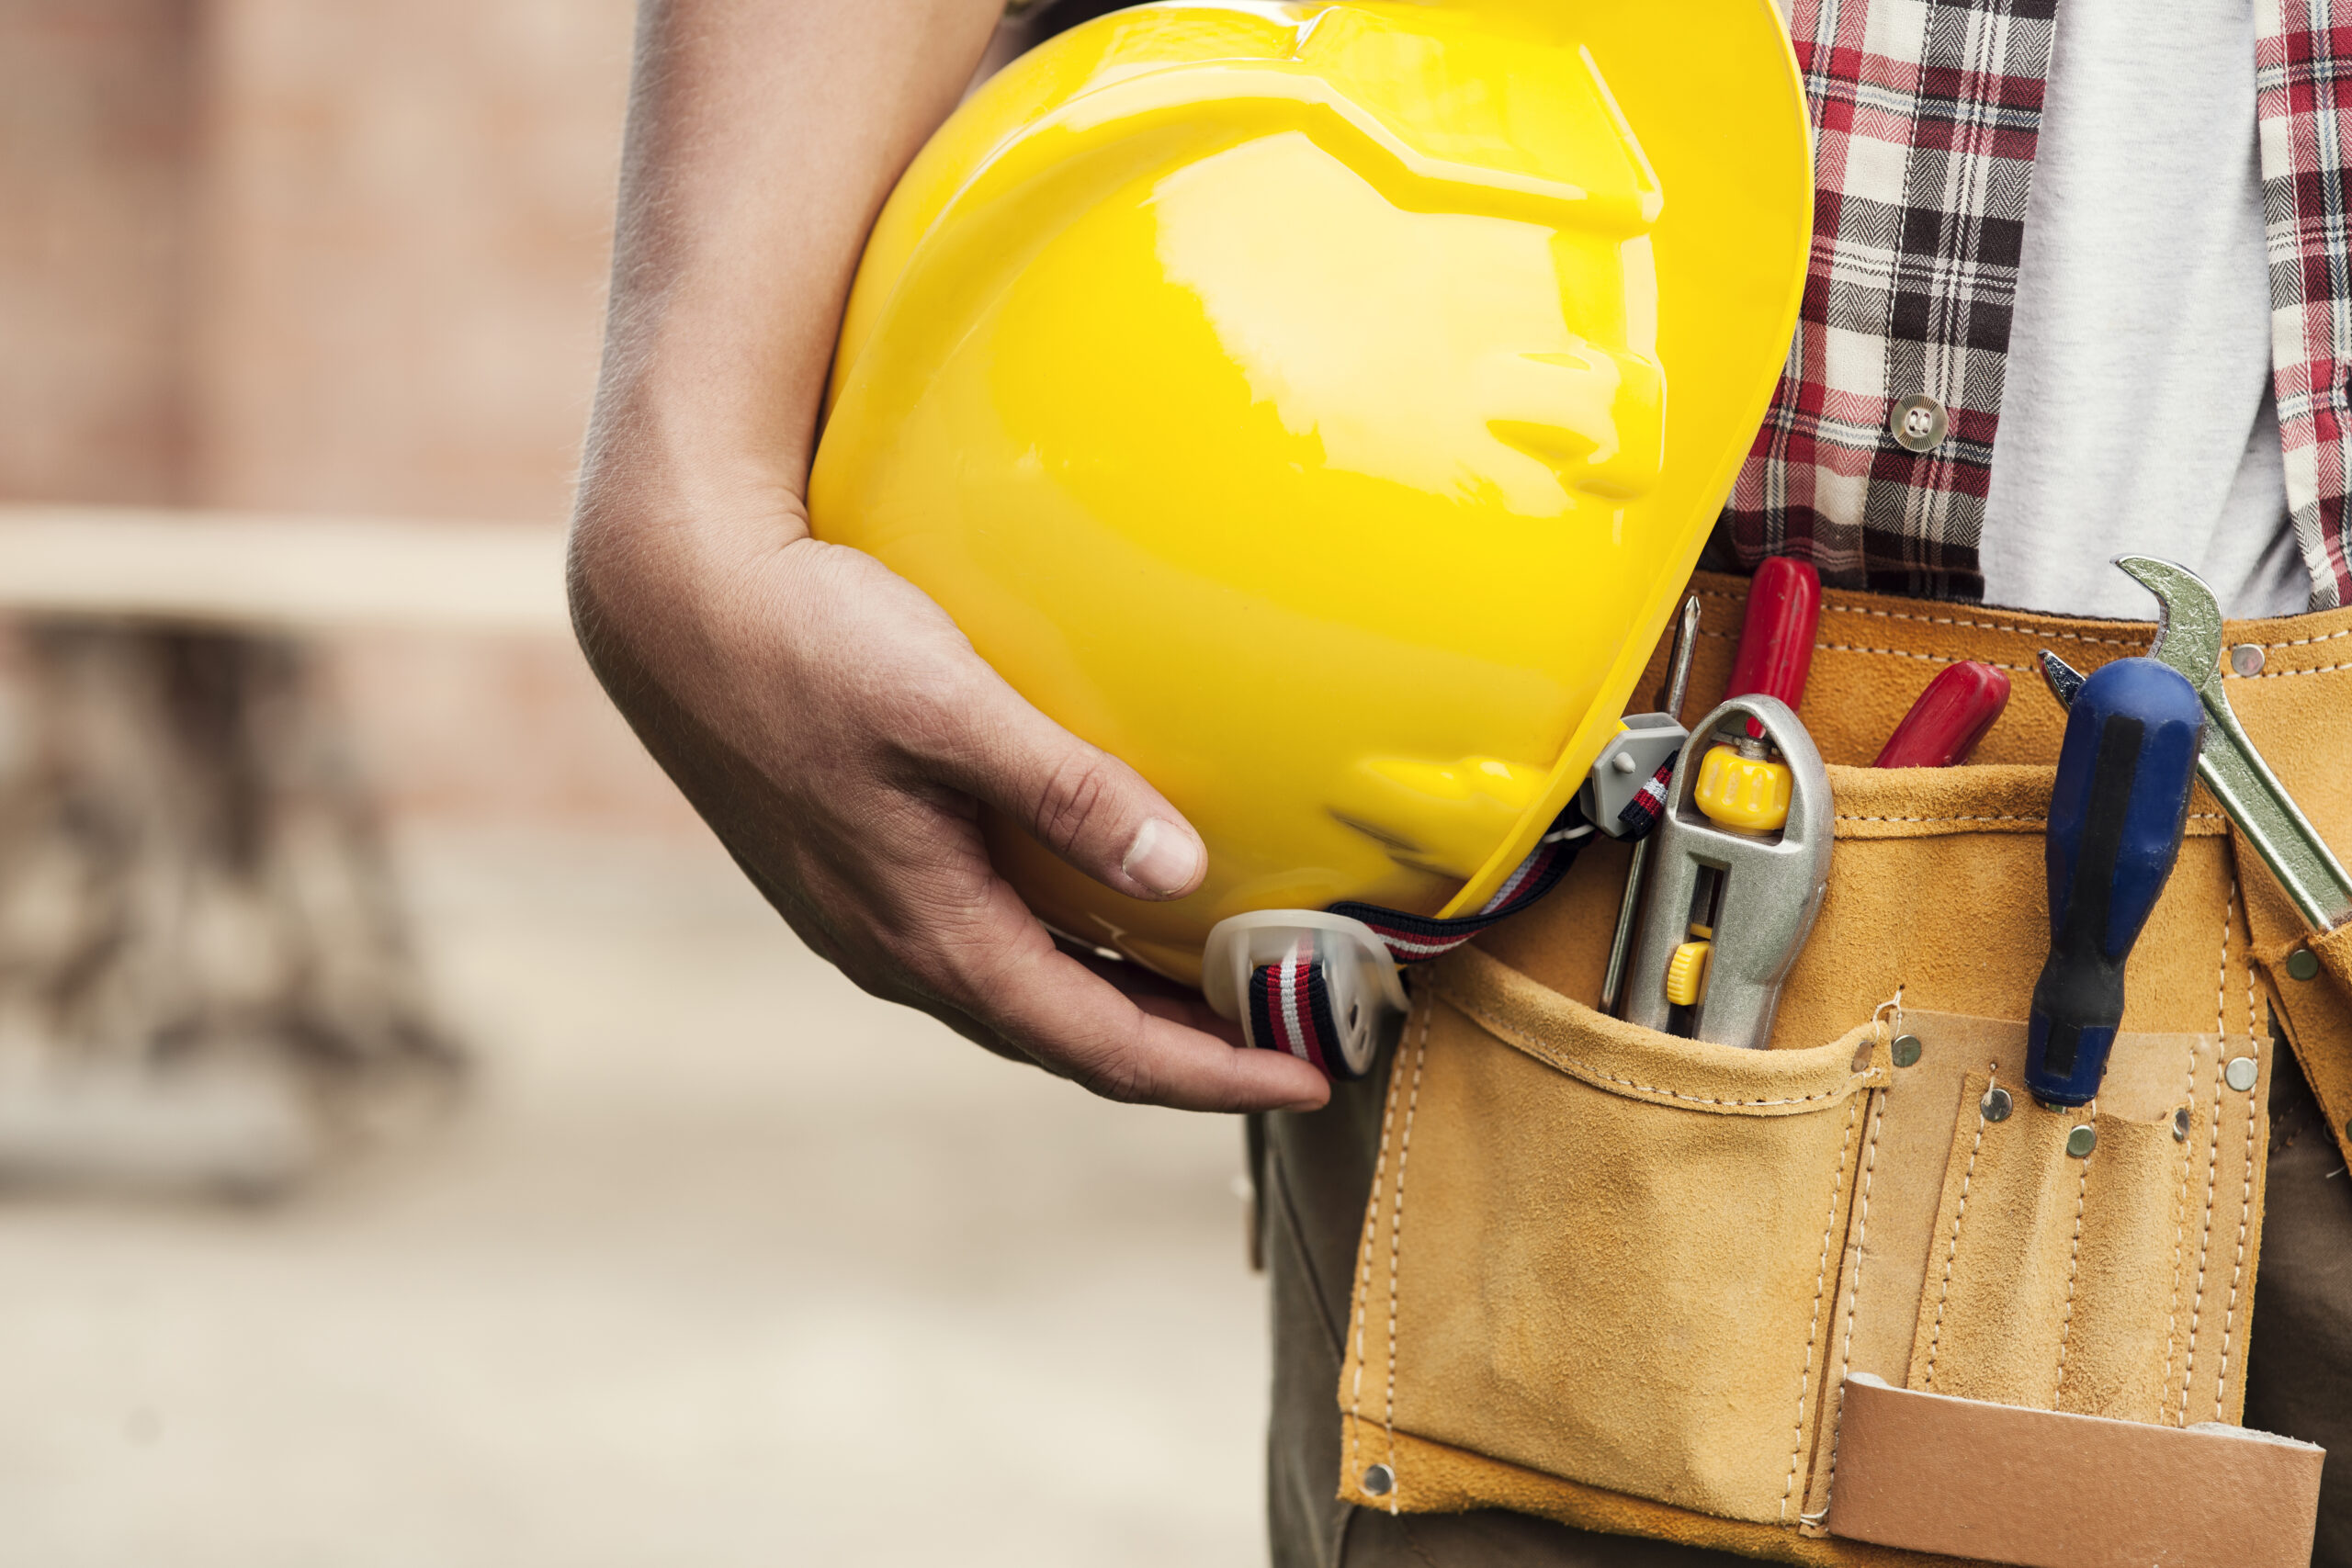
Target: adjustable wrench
<point x="1755" y="892"/>
<point x="2188" y="637"/>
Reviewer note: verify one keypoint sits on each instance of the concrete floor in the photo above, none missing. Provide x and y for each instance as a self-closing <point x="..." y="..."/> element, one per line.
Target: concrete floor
<point x="723" y="1263"/>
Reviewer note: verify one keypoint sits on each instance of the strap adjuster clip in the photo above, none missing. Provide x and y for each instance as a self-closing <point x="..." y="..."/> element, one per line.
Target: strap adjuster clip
<point x="1321" y="987"/>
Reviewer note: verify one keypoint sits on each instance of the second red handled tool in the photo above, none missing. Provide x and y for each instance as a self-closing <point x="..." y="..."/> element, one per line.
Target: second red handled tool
<point x="1950" y="716"/>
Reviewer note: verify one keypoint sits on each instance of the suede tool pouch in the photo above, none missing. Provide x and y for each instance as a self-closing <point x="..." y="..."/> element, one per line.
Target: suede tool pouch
<point x="1620" y="1278"/>
<point x="1630" y="1289"/>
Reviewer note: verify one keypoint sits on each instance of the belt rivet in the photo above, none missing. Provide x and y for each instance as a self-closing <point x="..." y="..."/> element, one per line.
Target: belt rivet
<point x="2246" y="659"/>
<point x="1379" y="1480"/>
<point x="1996" y="1104"/>
<point x="2241" y="1073"/>
<point x="2180" y="1125"/>
<point x="1905" y="1050"/>
<point x="2082" y="1141"/>
<point x="2303" y="964"/>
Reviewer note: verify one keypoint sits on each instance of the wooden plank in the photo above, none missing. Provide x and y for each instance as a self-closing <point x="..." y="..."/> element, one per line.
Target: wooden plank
<point x="280" y="572"/>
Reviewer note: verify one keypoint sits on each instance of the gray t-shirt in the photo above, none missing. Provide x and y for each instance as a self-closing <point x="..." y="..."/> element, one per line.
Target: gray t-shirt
<point x="2138" y="414"/>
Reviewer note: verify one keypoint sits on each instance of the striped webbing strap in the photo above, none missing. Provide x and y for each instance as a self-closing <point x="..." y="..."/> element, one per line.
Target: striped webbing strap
<point x="1290" y="1000"/>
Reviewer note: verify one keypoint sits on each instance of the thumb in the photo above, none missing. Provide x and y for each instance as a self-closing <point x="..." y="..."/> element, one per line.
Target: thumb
<point x="1078" y="800"/>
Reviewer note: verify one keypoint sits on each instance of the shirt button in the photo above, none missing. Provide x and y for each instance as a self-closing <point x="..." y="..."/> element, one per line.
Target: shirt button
<point x="1919" y="422"/>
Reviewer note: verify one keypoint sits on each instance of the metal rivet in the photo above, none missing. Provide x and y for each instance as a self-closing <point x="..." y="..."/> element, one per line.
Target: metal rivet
<point x="2180" y="1125"/>
<point x="1917" y="423"/>
<point x="2241" y="1073"/>
<point x="2303" y="964"/>
<point x="2348" y="1127"/>
<point x="1906" y="1050"/>
<point x="2246" y="659"/>
<point x="1379" y="1480"/>
<point x="1996" y="1104"/>
<point x="2082" y="1141"/>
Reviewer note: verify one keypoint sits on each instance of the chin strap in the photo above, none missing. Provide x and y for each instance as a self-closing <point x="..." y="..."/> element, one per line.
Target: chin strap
<point x="1413" y="938"/>
<point x="1289" y="1001"/>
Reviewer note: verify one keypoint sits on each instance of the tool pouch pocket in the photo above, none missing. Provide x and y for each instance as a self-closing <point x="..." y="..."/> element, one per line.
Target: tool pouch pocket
<point x="2055" y="1259"/>
<point x="1621" y="1278"/>
<point x="1630" y="1289"/>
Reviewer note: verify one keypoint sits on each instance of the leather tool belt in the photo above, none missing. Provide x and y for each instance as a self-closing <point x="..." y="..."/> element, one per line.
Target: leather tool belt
<point x="1860" y="1295"/>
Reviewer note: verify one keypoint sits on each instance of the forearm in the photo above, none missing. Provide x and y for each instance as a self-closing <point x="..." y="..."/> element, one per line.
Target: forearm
<point x="830" y="723"/>
<point x="763" y="136"/>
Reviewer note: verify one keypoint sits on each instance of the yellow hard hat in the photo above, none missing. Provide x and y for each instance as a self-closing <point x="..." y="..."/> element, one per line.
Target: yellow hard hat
<point x="1320" y="407"/>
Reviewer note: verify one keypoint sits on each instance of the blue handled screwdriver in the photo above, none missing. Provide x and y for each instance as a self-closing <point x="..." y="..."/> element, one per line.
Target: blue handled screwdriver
<point x="2116" y="817"/>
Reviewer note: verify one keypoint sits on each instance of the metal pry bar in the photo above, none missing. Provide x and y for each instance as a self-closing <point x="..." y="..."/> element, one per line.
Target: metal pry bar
<point x="2188" y="638"/>
<point x="1669" y="702"/>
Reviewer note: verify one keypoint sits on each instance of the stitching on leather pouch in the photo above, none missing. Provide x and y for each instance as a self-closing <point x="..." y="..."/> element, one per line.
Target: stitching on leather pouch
<point x="1371" y="1229"/>
<point x="1862" y="1236"/>
<point x="2074" y="1264"/>
<point x="1981" y="625"/>
<point x="1813" y="1334"/>
<point x="2282" y="675"/>
<point x="1396" y="1246"/>
<point x="1943" y="1292"/>
<point x="1955" y="621"/>
<point x="1850" y="816"/>
<point x="1543" y="1051"/>
<point x="2245" y="1196"/>
<point x="2212" y="1155"/>
<point x="2179" y="1241"/>
<point x="2045" y="634"/>
<point x="2308" y="641"/>
<point x="1922" y="658"/>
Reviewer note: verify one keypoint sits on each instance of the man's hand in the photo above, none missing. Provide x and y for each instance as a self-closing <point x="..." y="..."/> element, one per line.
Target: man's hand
<point x="840" y="734"/>
<point x="826" y="717"/>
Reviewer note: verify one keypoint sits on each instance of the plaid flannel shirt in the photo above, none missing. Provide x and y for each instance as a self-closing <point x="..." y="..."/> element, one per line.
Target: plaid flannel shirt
<point x="1925" y="114"/>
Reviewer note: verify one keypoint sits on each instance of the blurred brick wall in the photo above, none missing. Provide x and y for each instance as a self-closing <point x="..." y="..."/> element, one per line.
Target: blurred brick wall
<point x="407" y="212"/>
<point x="96" y="117"/>
<point x="337" y="257"/>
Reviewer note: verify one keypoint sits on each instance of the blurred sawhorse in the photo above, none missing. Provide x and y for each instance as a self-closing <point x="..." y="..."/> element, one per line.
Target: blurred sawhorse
<point x="207" y="981"/>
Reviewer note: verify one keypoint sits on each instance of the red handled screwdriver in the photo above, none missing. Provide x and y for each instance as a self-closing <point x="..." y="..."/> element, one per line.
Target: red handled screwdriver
<point x="1950" y="716"/>
<point x="1776" y="639"/>
<point x="1739" y="784"/>
<point x="1775" y="655"/>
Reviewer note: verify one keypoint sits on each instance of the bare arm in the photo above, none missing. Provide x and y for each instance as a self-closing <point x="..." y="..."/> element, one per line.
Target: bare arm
<point x="826" y="717"/>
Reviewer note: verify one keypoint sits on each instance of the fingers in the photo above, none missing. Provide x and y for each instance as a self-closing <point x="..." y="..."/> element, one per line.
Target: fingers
<point x="928" y="934"/>
<point x="1155" y="994"/>
<point x="1192" y="1013"/>
<point x="842" y="779"/>
<point x="1083" y="1028"/>
<point x="1078" y="800"/>
<point x="996" y="970"/>
<point x="961" y="725"/>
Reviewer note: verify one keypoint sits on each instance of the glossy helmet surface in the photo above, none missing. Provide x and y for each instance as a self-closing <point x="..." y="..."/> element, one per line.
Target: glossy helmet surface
<point x="1320" y="406"/>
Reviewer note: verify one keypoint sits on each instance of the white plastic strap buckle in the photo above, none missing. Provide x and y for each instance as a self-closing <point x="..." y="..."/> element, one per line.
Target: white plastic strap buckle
<point x="1368" y="1003"/>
